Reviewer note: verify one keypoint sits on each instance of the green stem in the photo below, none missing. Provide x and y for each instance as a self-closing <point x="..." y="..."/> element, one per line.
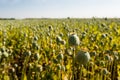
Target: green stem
<point x="73" y="63"/>
<point x="24" y="67"/>
<point x="80" y="72"/>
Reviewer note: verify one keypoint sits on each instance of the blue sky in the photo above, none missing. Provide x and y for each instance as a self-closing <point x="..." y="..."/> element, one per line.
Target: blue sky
<point x="59" y="8"/>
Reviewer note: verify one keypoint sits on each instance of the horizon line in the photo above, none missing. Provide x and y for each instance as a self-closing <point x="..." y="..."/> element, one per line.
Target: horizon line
<point x="55" y="17"/>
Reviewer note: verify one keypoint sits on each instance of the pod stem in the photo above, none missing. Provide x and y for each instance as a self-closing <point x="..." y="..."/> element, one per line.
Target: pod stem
<point x="73" y="62"/>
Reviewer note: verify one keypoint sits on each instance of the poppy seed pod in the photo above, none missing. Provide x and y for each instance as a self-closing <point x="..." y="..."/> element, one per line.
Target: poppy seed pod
<point x="93" y="53"/>
<point x="12" y="70"/>
<point x="61" y="34"/>
<point x="82" y="57"/>
<point x="60" y="56"/>
<point x="36" y="56"/>
<point x="28" y="53"/>
<point x="35" y="38"/>
<point x="73" y="40"/>
<point x="59" y="67"/>
<point x="116" y="57"/>
<point x="105" y="71"/>
<point x="50" y="27"/>
<point x="103" y="35"/>
<point x="102" y="63"/>
<point x="58" y="39"/>
<point x="63" y="42"/>
<point x="107" y="57"/>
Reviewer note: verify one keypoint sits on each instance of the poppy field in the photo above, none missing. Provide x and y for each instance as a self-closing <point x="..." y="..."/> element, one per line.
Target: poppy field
<point x="60" y="49"/>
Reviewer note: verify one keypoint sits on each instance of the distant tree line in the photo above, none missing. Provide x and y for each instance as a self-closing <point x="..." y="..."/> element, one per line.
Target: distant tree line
<point x="7" y="18"/>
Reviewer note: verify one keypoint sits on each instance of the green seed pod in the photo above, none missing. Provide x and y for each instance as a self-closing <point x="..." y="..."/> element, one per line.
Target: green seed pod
<point x="102" y="63"/>
<point x="15" y="65"/>
<point x="48" y="34"/>
<point x="103" y="25"/>
<point x="105" y="71"/>
<point x="60" y="56"/>
<point x="73" y="40"/>
<point x="35" y="38"/>
<point x="58" y="67"/>
<point x="61" y="34"/>
<point x="83" y="35"/>
<point x="55" y="61"/>
<point x="35" y="46"/>
<point x="114" y="45"/>
<point x="107" y="57"/>
<point x="108" y="52"/>
<point x="28" y="53"/>
<point x="103" y="35"/>
<point x="50" y="27"/>
<point x="102" y="43"/>
<point x="36" y="56"/>
<point x="82" y="57"/>
<point x="116" y="57"/>
<point x="2" y="49"/>
<point x="63" y="42"/>
<point x="110" y="38"/>
<point x="58" y="39"/>
<point x="11" y="70"/>
<point x="93" y="53"/>
<point x="68" y="51"/>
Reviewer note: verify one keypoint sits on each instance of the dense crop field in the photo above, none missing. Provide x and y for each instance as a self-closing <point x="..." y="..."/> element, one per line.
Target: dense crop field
<point x="60" y="49"/>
